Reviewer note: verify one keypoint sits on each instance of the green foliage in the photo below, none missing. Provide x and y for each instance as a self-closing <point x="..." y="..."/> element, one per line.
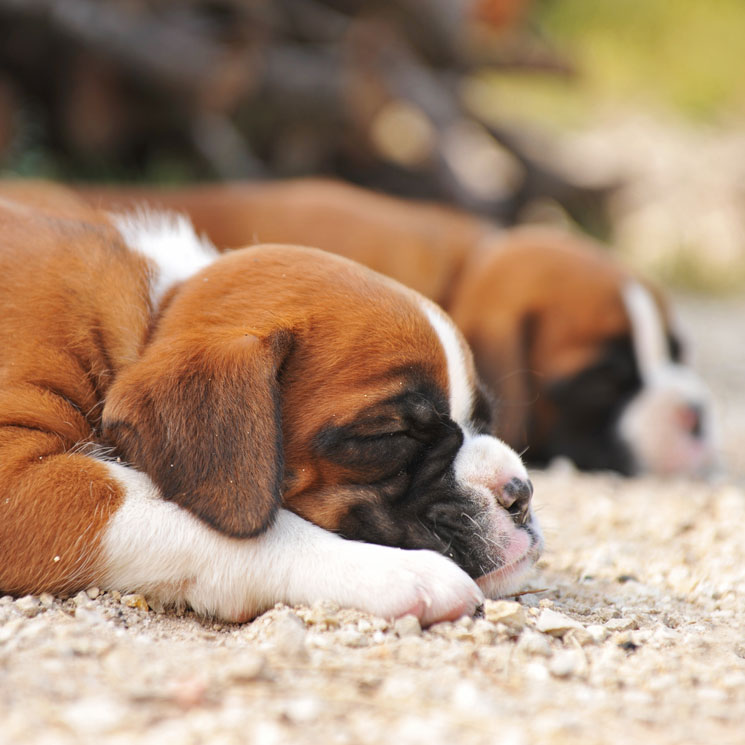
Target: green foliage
<point x="685" y="53"/>
<point x="688" y="269"/>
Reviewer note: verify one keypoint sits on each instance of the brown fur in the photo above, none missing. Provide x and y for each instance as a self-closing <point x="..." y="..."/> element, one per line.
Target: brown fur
<point x="423" y="245"/>
<point x="218" y="398"/>
<point x="63" y="334"/>
<point x="257" y="305"/>
<point x="535" y="304"/>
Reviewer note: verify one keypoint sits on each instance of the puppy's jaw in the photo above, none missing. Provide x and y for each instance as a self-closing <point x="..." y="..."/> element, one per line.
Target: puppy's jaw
<point x="509" y="579"/>
<point x="669" y="425"/>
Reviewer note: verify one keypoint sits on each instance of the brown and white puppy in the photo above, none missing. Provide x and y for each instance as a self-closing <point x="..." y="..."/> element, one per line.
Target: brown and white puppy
<point x="271" y="425"/>
<point x="582" y="355"/>
<point x="586" y="356"/>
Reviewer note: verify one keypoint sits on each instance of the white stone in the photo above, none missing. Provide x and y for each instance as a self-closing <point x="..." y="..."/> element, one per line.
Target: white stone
<point x="620" y="624"/>
<point x="598" y="633"/>
<point x="10" y="629"/>
<point x="288" y="634"/>
<point x="566" y="662"/>
<point x="94" y="715"/>
<point x="353" y="638"/>
<point x="29" y="606"/>
<point x="556" y="624"/>
<point x="304" y="710"/>
<point x="507" y="612"/>
<point x="407" y="626"/>
<point x="46" y="599"/>
<point x="534" y="644"/>
<point x="82" y="599"/>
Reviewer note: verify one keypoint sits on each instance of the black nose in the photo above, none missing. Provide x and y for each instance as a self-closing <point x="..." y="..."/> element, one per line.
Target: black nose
<point x="515" y="497"/>
<point x="695" y="420"/>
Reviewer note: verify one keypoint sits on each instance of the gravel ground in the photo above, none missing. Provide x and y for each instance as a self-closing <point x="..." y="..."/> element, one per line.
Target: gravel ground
<point x="638" y="635"/>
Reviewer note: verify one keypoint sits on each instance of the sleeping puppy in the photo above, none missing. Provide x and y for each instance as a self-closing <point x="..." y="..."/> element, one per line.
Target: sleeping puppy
<point x="585" y="355"/>
<point x="582" y="356"/>
<point x="276" y="424"/>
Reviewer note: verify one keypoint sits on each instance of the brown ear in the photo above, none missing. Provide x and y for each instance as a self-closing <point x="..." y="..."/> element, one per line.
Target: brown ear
<point x="502" y="352"/>
<point x="205" y="424"/>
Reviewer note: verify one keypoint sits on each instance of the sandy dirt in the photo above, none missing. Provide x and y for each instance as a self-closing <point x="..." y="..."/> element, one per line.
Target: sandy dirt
<point x="639" y="636"/>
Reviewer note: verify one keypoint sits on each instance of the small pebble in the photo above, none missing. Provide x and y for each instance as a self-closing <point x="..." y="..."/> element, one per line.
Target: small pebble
<point x="598" y="633"/>
<point x="89" y="615"/>
<point x="628" y="645"/>
<point x="532" y="643"/>
<point x="407" y="626"/>
<point x="507" y="612"/>
<point x="93" y="592"/>
<point x="245" y="667"/>
<point x="288" y="634"/>
<point x="536" y="671"/>
<point x="444" y="629"/>
<point x="470" y="699"/>
<point x="484" y="632"/>
<point x="94" y="716"/>
<point x="46" y="599"/>
<point x="304" y="710"/>
<point x="324" y="614"/>
<point x="29" y="606"/>
<point x="135" y="600"/>
<point x="81" y="599"/>
<point x="554" y="623"/>
<point x="8" y="630"/>
<point x="579" y="636"/>
<point x="566" y="662"/>
<point x="353" y="638"/>
<point x="620" y="624"/>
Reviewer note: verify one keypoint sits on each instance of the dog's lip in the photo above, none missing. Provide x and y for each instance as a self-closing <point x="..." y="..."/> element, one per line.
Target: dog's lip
<point x="517" y="565"/>
<point x="512" y="568"/>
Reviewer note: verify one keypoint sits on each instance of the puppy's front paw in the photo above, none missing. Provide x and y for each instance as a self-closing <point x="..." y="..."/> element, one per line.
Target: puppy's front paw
<point x="422" y="583"/>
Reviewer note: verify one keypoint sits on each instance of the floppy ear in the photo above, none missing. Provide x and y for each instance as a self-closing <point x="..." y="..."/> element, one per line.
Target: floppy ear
<point x="502" y="351"/>
<point x="204" y="422"/>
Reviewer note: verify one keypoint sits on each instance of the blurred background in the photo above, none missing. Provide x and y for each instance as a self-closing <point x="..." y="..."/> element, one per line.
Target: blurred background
<point x="622" y="117"/>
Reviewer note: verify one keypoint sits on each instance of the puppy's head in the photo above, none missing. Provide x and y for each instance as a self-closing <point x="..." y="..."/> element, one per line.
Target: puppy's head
<point x="287" y="376"/>
<point x="583" y="358"/>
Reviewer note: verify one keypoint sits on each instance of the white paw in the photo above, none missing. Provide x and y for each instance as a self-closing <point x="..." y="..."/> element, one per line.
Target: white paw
<point x="395" y="582"/>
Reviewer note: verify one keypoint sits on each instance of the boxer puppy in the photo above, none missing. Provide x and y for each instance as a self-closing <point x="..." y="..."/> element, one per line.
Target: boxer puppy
<point x="276" y="424"/>
<point x="582" y="355"/>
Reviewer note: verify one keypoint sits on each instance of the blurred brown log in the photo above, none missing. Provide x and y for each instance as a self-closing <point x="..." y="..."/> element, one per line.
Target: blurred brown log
<point x="365" y="89"/>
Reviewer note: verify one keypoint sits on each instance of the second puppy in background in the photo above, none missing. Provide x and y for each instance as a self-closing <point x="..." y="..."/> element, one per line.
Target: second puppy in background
<point x="582" y="356"/>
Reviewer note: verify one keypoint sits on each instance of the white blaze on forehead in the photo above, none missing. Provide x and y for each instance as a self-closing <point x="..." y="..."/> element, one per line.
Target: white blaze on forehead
<point x="169" y="240"/>
<point x="482" y="467"/>
<point x="461" y="388"/>
<point x="647" y="329"/>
